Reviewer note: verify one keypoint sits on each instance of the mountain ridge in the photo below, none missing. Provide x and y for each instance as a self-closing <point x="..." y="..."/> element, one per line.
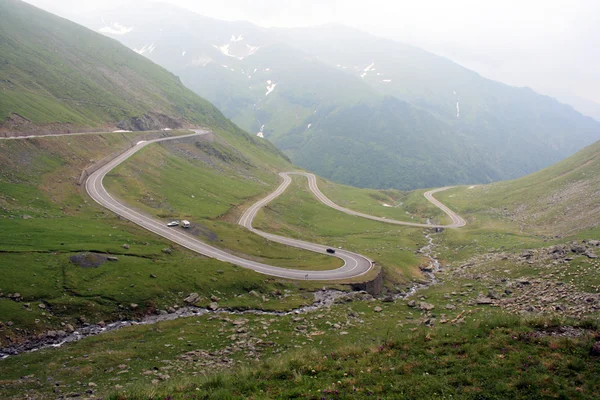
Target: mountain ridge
<point x="283" y="84"/>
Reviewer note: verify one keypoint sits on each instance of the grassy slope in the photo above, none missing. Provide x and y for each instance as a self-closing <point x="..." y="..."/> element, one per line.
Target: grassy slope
<point x="39" y="181"/>
<point x="559" y="200"/>
<point x="298" y="214"/>
<point x="404" y="206"/>
<point x="210" y="187"/>
<point x="446" y="362"/>
<point x="55" y="71"/>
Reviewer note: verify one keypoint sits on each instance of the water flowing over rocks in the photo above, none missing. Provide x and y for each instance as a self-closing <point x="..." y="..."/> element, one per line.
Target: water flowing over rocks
<point x="322" y="299"/>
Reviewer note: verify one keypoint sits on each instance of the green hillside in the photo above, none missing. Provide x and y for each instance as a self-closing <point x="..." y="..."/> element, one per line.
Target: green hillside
<point x="422" y="119"/>
<point x="559" y="200"/>
<point x="61" y="76"/>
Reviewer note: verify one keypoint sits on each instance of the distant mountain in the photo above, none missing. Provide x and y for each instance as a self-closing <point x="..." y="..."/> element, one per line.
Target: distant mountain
<point x="584" y="106"/>
<point x="329" y="96"/>
<point x="56" y="75"/>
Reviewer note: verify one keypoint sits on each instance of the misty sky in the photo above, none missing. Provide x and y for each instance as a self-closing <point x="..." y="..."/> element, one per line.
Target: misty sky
<point x="549" y="45"/>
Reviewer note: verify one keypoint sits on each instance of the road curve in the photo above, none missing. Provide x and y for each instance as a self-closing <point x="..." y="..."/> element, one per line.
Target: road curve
<point x="354" y="264"/>
<point x="358" y="261"/>
<point x="457" y="221"/>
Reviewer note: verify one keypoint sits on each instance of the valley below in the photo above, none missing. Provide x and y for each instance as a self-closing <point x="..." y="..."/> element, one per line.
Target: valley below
<point x="527" y="291"/>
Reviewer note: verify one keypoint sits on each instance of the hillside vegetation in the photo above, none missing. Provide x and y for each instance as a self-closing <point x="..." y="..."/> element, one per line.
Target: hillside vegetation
<point x="58" y="76"/>
<point x="445" y="362"/>
<point x="559" y="200"/>
<point x="356" y="108"/>
<point x="55" y="240"/>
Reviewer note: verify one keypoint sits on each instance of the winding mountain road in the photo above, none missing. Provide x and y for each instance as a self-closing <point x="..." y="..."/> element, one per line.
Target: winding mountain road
<point x="354" y="264"/>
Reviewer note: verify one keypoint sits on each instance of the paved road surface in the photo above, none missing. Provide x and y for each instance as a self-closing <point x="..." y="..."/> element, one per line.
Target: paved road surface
<point x="349" y="257"/>
<point x="354" y="264"/>
<point x="457" y="221"/>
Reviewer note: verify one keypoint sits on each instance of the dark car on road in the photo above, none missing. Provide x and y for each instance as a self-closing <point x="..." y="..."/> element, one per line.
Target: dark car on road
<point x="331" y="251"/>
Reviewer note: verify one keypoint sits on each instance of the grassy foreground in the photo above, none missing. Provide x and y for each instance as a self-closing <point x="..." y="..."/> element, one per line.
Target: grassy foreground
<point x="501" y="357"/>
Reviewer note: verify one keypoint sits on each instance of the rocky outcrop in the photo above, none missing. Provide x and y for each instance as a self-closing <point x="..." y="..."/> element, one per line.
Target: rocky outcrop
<point x="151" y="122"/>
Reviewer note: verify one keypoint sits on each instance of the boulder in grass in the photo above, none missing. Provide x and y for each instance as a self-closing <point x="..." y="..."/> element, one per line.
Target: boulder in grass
<point x="192" y="298"/>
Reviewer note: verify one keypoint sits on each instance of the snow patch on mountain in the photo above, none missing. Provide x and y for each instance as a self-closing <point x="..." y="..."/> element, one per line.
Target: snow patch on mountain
<point x="457" y="110"/>
<point x="236" y="52"/>
<point x="386" y="80"/>
<point x="146" y="49"/>
<point x="236" y="39"/>
<point x="309" y="125"/>
<point x="223" y="49"/>
<point x="368" y="69"/>
<point x="260" y="133"/>
<point x="115" y="29"/>
<point x="270" y="87"/>
<point x="251" y="49"/>
<point x="183" y="54"/>
<point x="201" y="61"/>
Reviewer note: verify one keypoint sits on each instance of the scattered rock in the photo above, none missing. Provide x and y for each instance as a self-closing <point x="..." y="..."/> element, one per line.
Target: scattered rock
<point x="526" y="254"/>
<point x="167" y="250"/>
<point x="133" y="306"/>
<point x="126" y="246"/>
<point x="214" y="298"/>
<point x="450" y="307"/>
<point x="15" y="296"/>
<point x="412" y="303"/>
<point x="378" y="309"/>
<point x="493" y="295"/>
<point x="388" y="299"/>
<point x="192" y="298"/>
<point x="590" y="254"/>
<point x="42" y="306"/>
<point x="112" y="258"/>
<point x="426" y="306"/>
<point x="484" y="300"/>
<point x="213" y="306"/>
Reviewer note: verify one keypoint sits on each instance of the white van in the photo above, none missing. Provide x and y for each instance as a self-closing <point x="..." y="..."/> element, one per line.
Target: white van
<point x="185" y="224"/>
